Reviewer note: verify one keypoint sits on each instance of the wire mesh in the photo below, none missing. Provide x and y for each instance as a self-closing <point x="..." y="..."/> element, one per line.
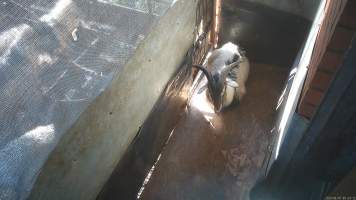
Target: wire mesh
<point x="56" y="56"/>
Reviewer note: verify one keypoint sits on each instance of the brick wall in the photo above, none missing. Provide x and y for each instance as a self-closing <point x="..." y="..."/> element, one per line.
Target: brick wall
<point x="333" y="40"/>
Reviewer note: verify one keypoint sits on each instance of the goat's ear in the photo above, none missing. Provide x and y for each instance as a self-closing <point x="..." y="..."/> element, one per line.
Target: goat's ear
<point x="228" y="68"/>
<point x="235" y="58"/>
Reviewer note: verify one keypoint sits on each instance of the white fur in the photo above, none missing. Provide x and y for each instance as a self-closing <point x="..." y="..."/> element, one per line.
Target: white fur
<point x="219" y="56"/>
<point x="242" y="75"/>
<point x="229" y="95"/>
<point x="217" y="61"/>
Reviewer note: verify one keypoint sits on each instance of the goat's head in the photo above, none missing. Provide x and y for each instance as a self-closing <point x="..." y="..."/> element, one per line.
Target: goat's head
<point x="217" y="78"/>
<point x="216" y="86"/>
<point x="217" y="83"/>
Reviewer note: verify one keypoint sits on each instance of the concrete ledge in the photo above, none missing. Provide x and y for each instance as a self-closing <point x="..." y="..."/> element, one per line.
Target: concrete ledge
<point x="88" y="153"/>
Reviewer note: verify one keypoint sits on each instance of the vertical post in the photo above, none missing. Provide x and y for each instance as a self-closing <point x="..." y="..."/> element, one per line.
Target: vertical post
<point x="216" y="23"/>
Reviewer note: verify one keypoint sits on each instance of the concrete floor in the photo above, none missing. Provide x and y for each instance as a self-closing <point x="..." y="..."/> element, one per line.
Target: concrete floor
<point x="215" y="156"/>
<point x="267" y="35"/>
<point x="219" y="156"/>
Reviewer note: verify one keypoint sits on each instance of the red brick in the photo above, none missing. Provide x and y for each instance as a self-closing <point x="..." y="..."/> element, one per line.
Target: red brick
<point x="348" y="17"/>
<point x="307" y="110"/>
<point x="331" y="61"/>
<point x="313" y="97"/>
<point x="341" y="39"/>
<point x="322" y="80"/>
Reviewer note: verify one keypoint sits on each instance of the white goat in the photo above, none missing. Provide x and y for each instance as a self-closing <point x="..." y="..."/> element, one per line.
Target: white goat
<point x="227" y="72"/>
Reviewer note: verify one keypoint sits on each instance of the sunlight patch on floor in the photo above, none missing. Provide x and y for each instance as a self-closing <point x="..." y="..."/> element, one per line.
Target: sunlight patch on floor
<point x="201" y="103"/>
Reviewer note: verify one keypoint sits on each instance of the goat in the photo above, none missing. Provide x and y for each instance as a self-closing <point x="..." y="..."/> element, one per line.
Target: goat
<point x="227" y="72"/>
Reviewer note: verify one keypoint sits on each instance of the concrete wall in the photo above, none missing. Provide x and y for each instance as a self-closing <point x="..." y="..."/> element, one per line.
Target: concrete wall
<point x="87" y="154"/>
<point x="304" y="8"/>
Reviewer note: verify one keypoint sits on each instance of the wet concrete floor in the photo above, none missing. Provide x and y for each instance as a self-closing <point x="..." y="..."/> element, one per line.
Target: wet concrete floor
<point x="219" y="156"/>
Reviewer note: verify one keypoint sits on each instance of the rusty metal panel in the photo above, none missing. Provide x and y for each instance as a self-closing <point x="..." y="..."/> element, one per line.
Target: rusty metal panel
<point x="204" y="27"/>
